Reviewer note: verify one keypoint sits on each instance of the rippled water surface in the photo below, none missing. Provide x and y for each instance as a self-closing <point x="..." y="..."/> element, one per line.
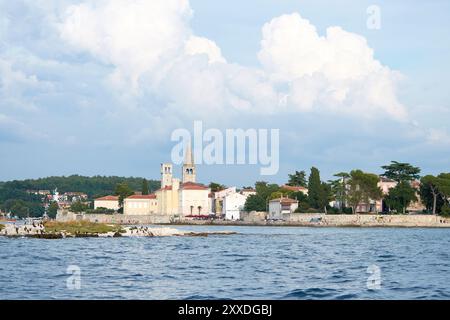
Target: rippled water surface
<point x="258" y="263"/>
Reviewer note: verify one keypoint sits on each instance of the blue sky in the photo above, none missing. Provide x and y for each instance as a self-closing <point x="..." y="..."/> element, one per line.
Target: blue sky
<point x="97" y="87"/>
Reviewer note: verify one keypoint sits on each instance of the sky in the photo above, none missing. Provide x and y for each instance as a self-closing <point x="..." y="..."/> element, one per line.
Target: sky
<point x="97" y="87"/>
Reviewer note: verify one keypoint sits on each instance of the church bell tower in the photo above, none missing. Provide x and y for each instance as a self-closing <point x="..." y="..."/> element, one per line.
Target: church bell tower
<point x="166" y="174"/>
<point x="189" y="166"/>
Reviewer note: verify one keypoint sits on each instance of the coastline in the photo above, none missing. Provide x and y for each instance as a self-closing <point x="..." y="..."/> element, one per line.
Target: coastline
<point x="96" y="230"/>
<point x="289" y="220"/>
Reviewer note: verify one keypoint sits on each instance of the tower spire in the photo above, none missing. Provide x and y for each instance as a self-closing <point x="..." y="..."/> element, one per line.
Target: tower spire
<point x="189" y="157"/>
<point x="189" y="165"/>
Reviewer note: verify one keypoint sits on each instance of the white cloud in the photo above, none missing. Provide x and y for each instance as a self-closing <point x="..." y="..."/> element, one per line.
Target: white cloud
<point x="336" y="71"/>
<point x="291" y="48"/>
<point x="153" y="51"/>
<point x="134" y="36"/>
<point x="15" y="85"/>
<point x="200" y="45"/>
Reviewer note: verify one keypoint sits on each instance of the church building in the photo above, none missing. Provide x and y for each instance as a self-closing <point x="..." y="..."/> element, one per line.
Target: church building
<point x="185" y="197"/>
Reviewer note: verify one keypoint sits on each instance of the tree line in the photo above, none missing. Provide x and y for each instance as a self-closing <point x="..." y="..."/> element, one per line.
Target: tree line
<point x="15" y="198"/>
<point x="351" y="189"/>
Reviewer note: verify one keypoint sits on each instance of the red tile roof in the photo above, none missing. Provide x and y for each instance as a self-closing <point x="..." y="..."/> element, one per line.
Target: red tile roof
<point x="141" y="196"/>
<point x="294" y="188"/>
<point x="193" y="186"/>
<point x="108" y="198"/>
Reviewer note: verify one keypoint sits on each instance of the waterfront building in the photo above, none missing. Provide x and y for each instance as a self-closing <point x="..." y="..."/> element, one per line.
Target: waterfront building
<point x="139" y="205"/>
<point x="185" y="198"/>
<point x="281" y="206"/>
<point x="229" y="203"/>
<point x="175" y="197"/>
<point x="107" y="202"/>
<point x="379" y="205"/>
<point x="233" y="205"/>
<point x="219" y="197"/>
<point x="194" y="199"/>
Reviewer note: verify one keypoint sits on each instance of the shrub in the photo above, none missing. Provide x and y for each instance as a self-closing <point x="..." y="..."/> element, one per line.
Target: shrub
<point x="81" y="227"/>
<point x="100" y="211"/>
<point x="347" y="210"/>
<point x="445" y="210"/>
<point x="333" y="210"/>
<point x="302" y="207"/>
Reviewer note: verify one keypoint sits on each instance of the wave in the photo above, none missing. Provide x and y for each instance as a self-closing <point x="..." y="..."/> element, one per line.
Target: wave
<point x="311" y="293"/>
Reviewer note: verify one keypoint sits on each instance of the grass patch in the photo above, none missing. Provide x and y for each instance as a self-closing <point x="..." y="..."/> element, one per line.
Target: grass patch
<point x="2" y="226"/>
<point x="80" y="227"/>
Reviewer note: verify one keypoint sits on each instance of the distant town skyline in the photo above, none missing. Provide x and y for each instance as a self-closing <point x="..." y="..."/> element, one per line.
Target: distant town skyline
<point x="97" y="87"/>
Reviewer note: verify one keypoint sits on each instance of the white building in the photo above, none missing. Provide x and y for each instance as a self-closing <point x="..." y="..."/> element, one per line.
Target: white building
<point x="281" y="206"/>
<point x="108" y="202"/>
<point x="217" y="202"/>
<point x="193" y="199"/>
<point x="233" y="204"/>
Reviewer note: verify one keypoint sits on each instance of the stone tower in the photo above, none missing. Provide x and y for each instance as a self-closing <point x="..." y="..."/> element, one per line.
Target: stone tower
<point x="189" y="166"/>
<point x="166" y="174"/>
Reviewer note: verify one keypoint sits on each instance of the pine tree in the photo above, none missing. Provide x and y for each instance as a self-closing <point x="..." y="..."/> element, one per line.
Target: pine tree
<point x="315" y="189"/>
<point x="145" y="187"/>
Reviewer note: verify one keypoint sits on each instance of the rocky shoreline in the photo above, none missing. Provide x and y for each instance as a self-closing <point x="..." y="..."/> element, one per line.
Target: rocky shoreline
<point x="38" y="231"/>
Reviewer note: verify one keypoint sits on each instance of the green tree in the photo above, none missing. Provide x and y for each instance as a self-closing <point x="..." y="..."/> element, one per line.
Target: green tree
<point x="123" y="191"/>
<point x="300" y="196"/>
<point x="276" y="195"/>
<point x="145" y="187"/>
<point x="298" y="179"/>
<point x="339" y="189"/>
<point x="215" y="187"/>
<point x="401" y="196"/>
<point x="255" y="203"/>
<point x="399" y="171"/>
<point x="315" y="189"/>
<point x="259" y="202"/>
<point x="429" y="192"/>
<point x="52" y="209"/>
<point x="362" y="187"/>
<point x="94" y="187"/>
<point x="325" y="196"/>
<point x="20" y="210"/>
<point x="79" y="207"/>
<point x="264" y="189"/>
<point x="443" y="186"/>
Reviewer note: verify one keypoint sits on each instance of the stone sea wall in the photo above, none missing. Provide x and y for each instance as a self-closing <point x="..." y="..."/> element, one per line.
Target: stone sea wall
<point x="113" y="218"/>
<point x="258" y="218"/>
<point x="366" y="220"/>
